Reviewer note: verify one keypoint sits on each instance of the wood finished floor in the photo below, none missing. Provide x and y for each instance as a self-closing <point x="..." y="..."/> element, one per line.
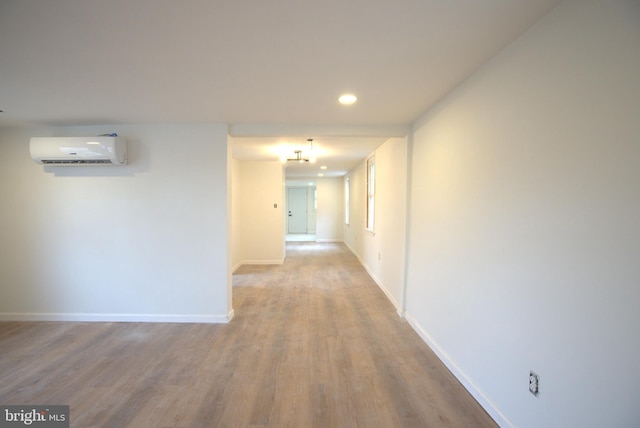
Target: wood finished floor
<point x="314" y="343"/>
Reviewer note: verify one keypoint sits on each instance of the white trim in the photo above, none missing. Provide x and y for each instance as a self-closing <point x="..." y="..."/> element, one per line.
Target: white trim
<point x="370" y="181"/>
<point x="76" y="317"/>
<point x="382" y="287"/>
<point x="352" y="251"/>
<point x="260" y="130"/>
<point x="262" y="262"/>
<point x="256" y="262"/>
<point x="408" y="218"/>
<point x="329" y="240"/>
<point x="347" y="199"/>
<point x="487" y="404"/>
<point x="379" y="283"/>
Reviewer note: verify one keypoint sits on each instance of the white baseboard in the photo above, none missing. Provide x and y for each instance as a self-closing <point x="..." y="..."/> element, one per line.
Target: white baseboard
<point x="235" y="268"/>
<point x="329" y="240"/>
<point x="352" y="250"/>
<point x="74" y="317"/>
<point x="487" y="404"/>
<point x="382" y="287"/>
<point x="378" y="282"/>
<point x="262" y="262"/>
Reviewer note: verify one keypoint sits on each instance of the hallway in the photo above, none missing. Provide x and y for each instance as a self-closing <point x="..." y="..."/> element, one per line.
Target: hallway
<point x="326" y="348"/>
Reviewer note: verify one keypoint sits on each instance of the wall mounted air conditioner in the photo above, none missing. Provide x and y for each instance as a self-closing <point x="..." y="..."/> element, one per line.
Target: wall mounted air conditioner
<point x="64" y="151"/>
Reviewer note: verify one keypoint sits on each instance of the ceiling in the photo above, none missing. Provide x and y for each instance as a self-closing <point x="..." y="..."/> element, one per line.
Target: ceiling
<point x="276" y="66"/>
<point x="335" y="155"/>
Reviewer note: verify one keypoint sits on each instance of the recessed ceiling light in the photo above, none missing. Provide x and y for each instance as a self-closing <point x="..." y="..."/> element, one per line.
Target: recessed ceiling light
<point x="323" y="167"/>
<point x="347" y="99"/>
<point x="321" y="175"/>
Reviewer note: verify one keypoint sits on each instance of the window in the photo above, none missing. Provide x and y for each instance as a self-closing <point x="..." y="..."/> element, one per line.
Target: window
<point x="371" y="180"/>
<point x="346" y="200"/>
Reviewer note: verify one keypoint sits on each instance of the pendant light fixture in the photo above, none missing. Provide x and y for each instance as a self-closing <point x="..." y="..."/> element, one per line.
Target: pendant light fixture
<point x="298" y="155"/>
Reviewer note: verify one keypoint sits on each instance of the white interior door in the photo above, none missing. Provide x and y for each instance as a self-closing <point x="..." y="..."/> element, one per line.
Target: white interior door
<point x="297" y="210"/>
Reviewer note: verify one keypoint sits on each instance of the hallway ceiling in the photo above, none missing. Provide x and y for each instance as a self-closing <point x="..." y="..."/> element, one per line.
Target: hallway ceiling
<point x="78" y="62"/>
<point x="338" y="154"/>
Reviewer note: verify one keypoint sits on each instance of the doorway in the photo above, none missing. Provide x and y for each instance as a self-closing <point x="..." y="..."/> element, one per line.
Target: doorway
<point x="301" y="214"/>
<point x="297" y="210"/>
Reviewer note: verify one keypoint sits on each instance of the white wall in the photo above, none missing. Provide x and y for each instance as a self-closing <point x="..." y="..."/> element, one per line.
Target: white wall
<point x="261" y="226"/>
<point x="330" y="212"/>
<point x="391" y="216"/>
<point x="230" y="254"/>
<point x="382" y="252"/>
<point x="236" y="230"/>
<point x="312" y="212"/>
<point x="354" y="231"/>
<point x="525" y="224"/>
<point x="143" y="242"/>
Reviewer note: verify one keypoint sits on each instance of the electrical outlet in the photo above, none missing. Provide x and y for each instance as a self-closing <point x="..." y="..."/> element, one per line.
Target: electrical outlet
<point x="534" y="383"/>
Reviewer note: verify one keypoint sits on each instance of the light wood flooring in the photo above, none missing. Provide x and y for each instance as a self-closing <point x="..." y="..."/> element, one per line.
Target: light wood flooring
<point x="314" y="343"/>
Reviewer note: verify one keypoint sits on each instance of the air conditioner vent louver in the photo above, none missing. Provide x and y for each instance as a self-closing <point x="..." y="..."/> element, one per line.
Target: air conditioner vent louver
<point x="76" y="162"/>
